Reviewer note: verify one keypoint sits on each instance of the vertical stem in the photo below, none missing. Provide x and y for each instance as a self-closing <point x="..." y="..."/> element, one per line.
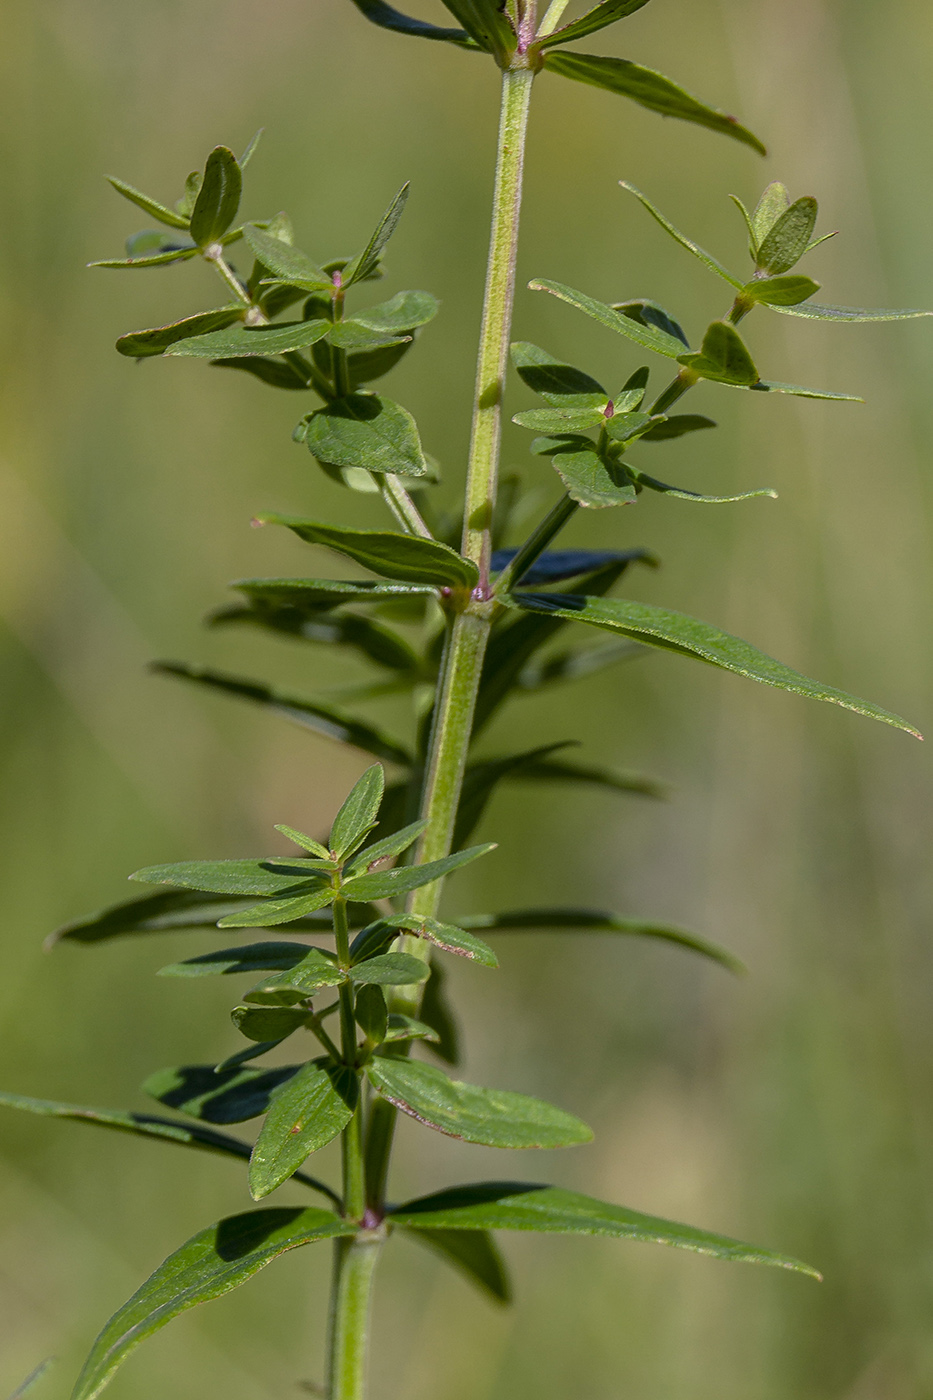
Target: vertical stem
<point x="355" y="1260"/>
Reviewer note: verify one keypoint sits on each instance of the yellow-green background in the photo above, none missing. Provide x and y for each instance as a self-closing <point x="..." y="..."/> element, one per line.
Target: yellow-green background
<point x="792" y="1108"/>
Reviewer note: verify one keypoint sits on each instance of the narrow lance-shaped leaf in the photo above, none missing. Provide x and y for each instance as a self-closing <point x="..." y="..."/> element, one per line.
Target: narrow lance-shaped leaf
<point x="405" y="878"/>
<point x="386" y="848"/>
<point x="598" y="18"/>
<point x="239" y="877"/>
<point x="280" y="911"/>
<point x="643" y="479"/>
<point x="519" y="1205"/>
<point x="172" y="255"/>
<point x="365" y="263"/>
<point x="490" y="1117"/>
<point x="707" y="259"/>
<point x="473" y="1253"/>
<point x="359" y="813"/>
<point x="309" y="1113"/>
<point x="404" y="557"/>
<point x="649" y="89"/>
<point x="323" y="719"/>
<point x="218" y="198"/>
<point x="648" y="337"/>
<point x="226" y="962"/>
<point x="302" y="980"/>
<point x="150" y="206"/>
<point x="812" y="311"/>
<point x="314" y="596"/>
<point x="675" y="631"/>
<point x="562" y="770"/>
<point x="389" y="18"/>
<point x="148" y="1126"/>
<point x="210" y="1264"/>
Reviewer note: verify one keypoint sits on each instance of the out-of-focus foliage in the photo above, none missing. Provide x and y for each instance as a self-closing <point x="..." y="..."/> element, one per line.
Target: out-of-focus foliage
<point x="791" y="1108"/>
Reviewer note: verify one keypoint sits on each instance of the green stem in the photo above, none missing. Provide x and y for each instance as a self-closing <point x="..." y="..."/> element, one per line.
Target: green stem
<point x="536" y="544"/>
<point x="553" y="17"/>
<point x="402" y="506"/>
<point x="355" y="1262"/>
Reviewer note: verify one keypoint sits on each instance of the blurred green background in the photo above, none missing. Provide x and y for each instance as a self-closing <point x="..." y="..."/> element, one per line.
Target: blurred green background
<point x="793" y="1108"/>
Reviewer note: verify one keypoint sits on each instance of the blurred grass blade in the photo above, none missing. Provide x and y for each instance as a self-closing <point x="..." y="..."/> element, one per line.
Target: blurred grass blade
<point x="323" y="719"/>
<point x="649" y="89"/>
<point x="562" y="770"/>
<point x="518" y="1205"/>
<point x="41" y="1370"/>
<point x="675" y="631"/>
<point x="490" y="1117"/>
<point x="309" y="1113"/>
<point x="483" y="777"/>
<point x="597" y="921"/>
<point x="210" y="1264"/>
<point x="473" y="1252"/>
<point x="388" y="18"/>
<point x="707" y="259"/>
<point x="598" y="18"/>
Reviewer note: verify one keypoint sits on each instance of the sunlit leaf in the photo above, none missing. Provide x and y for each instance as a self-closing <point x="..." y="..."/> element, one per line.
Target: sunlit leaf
<point x="250" y="957"/>
<point x="608" y="12"/>
<point x="592" y="479"/>
<point x="404" y="878"/>
<point x="359" y="813"/>
<point x="218" y="198"/>
<point x="788" y="237"/>
<point x="391" y="970"/>
<point x="366" y="430"/>
<point x="723" y="358"/>
<point x="285" y="261"/>
<point x="140" y="344"/>
<point x="406" y="311"/>
<point x="404" y="557"/>
<point x="559" y="384"/>
<point x="240" y="341"/>
<point x="643" y="479"/>
<point x="780" y="291"/>
<point x="150" y="206"/>
<point x="647" y="336"/>
<point x="364" y="264"/>
<point x="308" y="1113"/>
<point x="814" y="312"/>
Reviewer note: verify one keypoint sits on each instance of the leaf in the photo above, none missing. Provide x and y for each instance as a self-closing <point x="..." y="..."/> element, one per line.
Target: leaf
<point x="491" y="1117"/>
<point x="675" y="631"/>
<point x="210" y="1264"/>
<point x="147" y="1126"/>
<point x="364" y="264"/>
<point x="814" y="312"/>
<point x="316" y="595"/>
<point x="597" y="921"/>
<point x="653" y="484"/>
<point x="559" y="770"/>
<point x="279" y="374"/>
<point x="373" y="642"/>
<point x="403" y="557"/>
<point x="365" y="430"/>
<point x="372" y="1014"/>
<point x="317" y="969"/>
<point x="307" y="843"/>
<point x="707" y="259"/>
<point x="446" y="936"/>
<point x="405" y="878"/>
<point x="405" y="1028"/>
<point x="233" y="1096"/>
<point x="473" y="1252"/>
<point x="626" y="427"/>
<point x="649" y="89"/>
<point x="788" y="238"/>
<point x="148" y="259"/>
<point x="608" y="12"/>
<point x="279" y="911"/>
<point x="770" y="386"/>
<point x="242" y="877"/>
<point x="648" y="337"/>
<point x="575" y="664"/>
<point x="773" y="204"/>
<point x="559" y="384"/>
<point x="251" y="957"/>
<point x="218" y="198"/>
<point x="780" y="291"/>
<point x="649" y="313"/>
<point x="151" y="913"/>
<point x="519" y="1205"/>
<point x="724" y="357"/>
<point x="140" y="344"/>
<point x="593" y="480"/>
<point x="676" y="426"/>
<point x="243" y="1057"/>
<point x="323" y="719"/>
<point x="386" y="848"/>
<point x="359" y="813"/>
<point x="264" y="1023"/>
<point x="316" y="1105"/>
<point x="391" y="970"/>
<point x="364" y="366"/>
<point x="240" y="341"/>
<point x="150" y="206"/>
<point x="288" y="263"/>
<point x="558" y="564"/>
<point x="437" y="1012"/>
<point x="388" y="18"/>
<point x="486" y="22"/>
<point x="406" y="311"/>
<point x="549" y="420"/>
<point x="352" y="336"/>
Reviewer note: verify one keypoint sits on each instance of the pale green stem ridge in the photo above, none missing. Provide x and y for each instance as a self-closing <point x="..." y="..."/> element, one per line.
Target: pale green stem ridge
<point x="355" y="1262"/>
<point x="553" y="17"/>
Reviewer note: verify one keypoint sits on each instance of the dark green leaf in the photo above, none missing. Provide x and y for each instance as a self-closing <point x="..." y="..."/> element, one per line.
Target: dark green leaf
<point x="649" y="313"/>
<point x="151" y="206"/>
<point x="675" y="631"/>
<point x="473" y="1252"/>
<point x="264" y="1023"/>
<point x="404" y="557"/>
<point x="280" y="911"/>
<point x="243" y="1057"/>
<point x="608" y="12"/>
<point x="279" y="374"/>
<point x="789" y="236"/>
<point x="575" y="664"/>
<point x="373" y="940"/>
<point x="676" y="426"/>
<point x="230" y="1097"/>
<point x="365" y="430"/>
<point x="491" y="1117"/>
<point x="151" y="913"/>
<point x="814" y="312"/>
<point x="559" y="384"/>
<point x="770" y="386"/>
<point x="780" y="291"/>
<point x="316" y="595"/>
<point x="247" y="155"/>
<point x="391" y="970"/>
<point x="653" y="484"/>
<point x="550" y="420"/>
<point x="707" y="259"/>
<point x="307" y="1114"/>
<point x="388" y="18"/>
<point x="597" y="921"/>
<point x="593" y="480"/>
<point x="356" y="338"/>
<point x="389" y="846"/>
<point x="626" y="427"/>
<point x="561" y="770"/>
<point x="298" y="983"/>
<point x="371" y="1013"/>
<point x="257" y="877"/>
<point x="218" y="198"/>
<point x="405" y="1028"/>
<point x="446" y="936"/>
<point x="364" y="264"/>
<point x="649" y="89"/>
<point x="251" y="957"/>
<point x="723" y="358"/>
<point x="405" y="878"/>
<point x="323" y="719"/>
<point x="364" y="366"/>
<point x="148" y="259"/>
<point x="240" y="341"/>
<point x="286" y="262"/>
<point x="486" y="22"/>
<point x="648" y="337"/>
<point x="359" y="813"/>
<point x="437" y="1012"/>
<point x="208" y="1265"/>
<point x="558" y="564"/>
<point x="519" y="1205"/>
<point x="402" y="313"/>
<point x="307" y="843"/>
<point x="372" y="641"/>
<point x="139" y="344"/>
